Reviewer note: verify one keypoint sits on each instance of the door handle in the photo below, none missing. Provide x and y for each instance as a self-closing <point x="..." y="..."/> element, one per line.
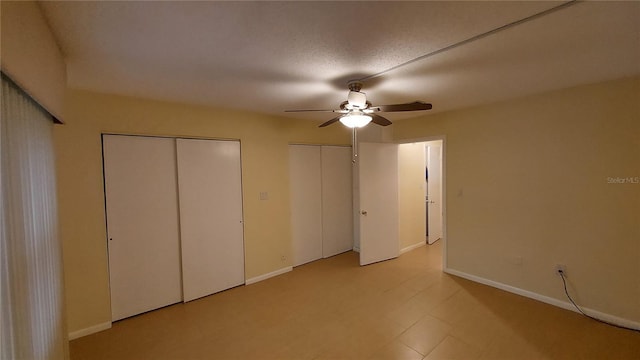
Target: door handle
<point x="363" y="212"/>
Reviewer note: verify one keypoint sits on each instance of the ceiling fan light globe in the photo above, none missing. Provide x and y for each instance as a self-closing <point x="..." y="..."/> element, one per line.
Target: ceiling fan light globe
<point x="355" y="120"/>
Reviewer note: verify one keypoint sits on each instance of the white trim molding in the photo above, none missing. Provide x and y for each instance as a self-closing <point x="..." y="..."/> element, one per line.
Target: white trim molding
<point x="546" y="299"/>
<point x="256" y="279"/>
<point x="90" y="330"/>
<point x="412" y="247"/>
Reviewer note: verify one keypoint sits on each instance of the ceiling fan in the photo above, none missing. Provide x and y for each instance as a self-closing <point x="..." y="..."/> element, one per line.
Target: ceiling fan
<point x="357" y="111"/>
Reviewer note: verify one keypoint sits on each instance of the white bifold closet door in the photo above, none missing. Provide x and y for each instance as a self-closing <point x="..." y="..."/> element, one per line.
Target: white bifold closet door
<point x="209" y="182"/>
<point x="306" y="203"/>
<point x="142" y="223"/>
<point x="321" y="201"/>
<point x="337" y="200"/>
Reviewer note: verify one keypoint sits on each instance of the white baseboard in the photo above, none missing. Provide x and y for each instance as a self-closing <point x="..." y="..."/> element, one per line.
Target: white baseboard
<point x="90" y="330"/>
<point x="256" y="279"/>
<point x="546" y="299"/>
<point x="411" y="247"/>
<point x="356" y="249"/>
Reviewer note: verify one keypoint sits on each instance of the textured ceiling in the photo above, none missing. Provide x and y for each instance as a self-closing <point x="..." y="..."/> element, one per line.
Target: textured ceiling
<point x="271" y="56"/>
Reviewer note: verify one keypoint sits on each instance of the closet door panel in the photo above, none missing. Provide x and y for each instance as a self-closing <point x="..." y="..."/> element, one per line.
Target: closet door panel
<point x="142" y="223"/>
<point x="210" y="198"/>
<point x="337" y="200"/>
<point x="306" y="203"/>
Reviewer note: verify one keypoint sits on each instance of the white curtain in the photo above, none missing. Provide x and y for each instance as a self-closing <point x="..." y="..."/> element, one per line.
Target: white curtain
<point x="31" y="295"/>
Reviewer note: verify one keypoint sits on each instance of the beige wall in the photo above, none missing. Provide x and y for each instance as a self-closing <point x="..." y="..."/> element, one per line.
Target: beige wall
<point x="411" y="195"/>
<point x="533" y="174"/>
<point x="30" y="56"/>
<point x="264" y="142"/>
<point x="527" y="179"/>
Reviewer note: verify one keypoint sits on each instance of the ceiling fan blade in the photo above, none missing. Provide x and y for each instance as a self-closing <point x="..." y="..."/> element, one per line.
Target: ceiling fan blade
<point x="327" y="123"/>
<point x="377" y="119"/>
<point x="414" y="106"/>
<point x="323" y="110"/>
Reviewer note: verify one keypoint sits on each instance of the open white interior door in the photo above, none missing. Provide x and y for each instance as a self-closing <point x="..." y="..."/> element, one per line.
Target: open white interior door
<point x="378" y="185"/>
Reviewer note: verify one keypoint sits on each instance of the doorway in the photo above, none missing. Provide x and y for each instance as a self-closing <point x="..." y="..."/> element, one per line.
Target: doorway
<point x="433" y="190"/>
<point x="421" y="193"/>
<point x="392" y="217"/>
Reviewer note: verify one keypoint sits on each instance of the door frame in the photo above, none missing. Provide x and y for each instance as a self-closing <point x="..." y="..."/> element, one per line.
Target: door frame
<point x="443" y="138"/>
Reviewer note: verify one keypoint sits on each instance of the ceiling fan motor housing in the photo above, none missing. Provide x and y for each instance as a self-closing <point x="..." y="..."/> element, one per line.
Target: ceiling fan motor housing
<point x="357" y="99"/>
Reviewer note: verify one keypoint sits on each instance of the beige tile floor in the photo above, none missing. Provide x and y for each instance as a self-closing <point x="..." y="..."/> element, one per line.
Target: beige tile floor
<point x="405" y="308"/>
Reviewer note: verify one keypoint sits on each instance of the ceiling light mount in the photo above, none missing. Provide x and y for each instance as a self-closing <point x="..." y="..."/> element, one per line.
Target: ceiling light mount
<point x="355" y="86"/>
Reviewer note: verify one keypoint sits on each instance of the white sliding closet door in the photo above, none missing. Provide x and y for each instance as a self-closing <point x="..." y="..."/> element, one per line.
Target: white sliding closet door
<point x="306" y="203"/>
<point x="337" y="200"/>
<point x="209" y="182"/>
<point x="142" y="223"/>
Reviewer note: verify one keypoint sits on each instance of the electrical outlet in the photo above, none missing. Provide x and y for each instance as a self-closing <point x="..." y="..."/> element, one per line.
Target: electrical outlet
<point x="283" y="258"/>
<point x="561" y="268"/>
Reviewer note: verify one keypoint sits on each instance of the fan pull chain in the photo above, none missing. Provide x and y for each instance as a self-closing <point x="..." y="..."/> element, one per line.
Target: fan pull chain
<point x="354" y="145"/>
